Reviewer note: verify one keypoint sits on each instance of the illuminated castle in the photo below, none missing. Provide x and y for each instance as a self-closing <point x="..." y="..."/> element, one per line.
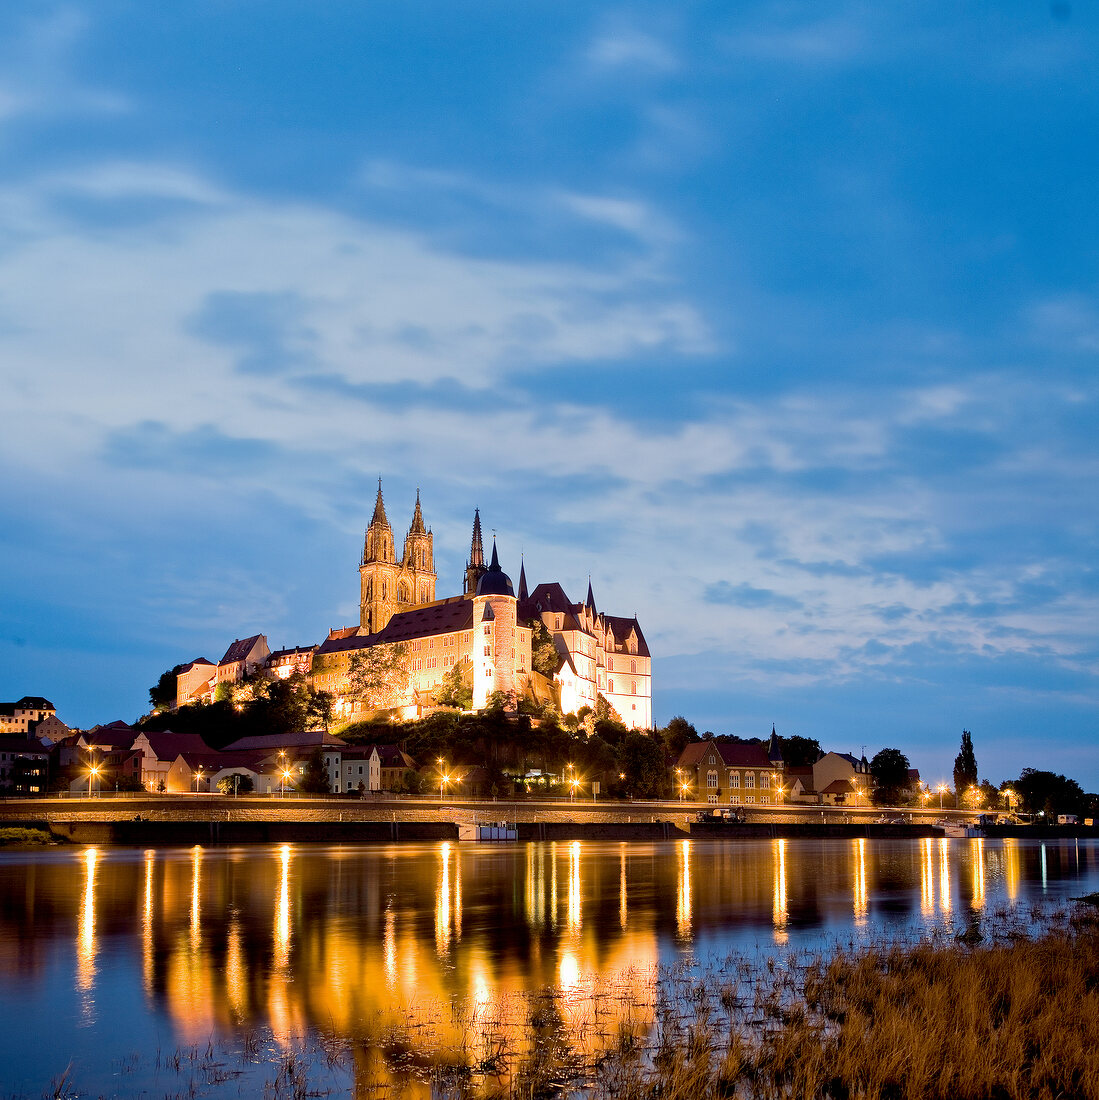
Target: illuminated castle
<point x="489" y="625"/>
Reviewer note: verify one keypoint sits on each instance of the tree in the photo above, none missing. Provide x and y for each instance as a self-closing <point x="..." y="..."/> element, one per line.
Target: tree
<point x="1045" y="792"/>
<point x="379" y="675"/>
<point x="163" y="692"/>
<point x="455" y="689"/>
<point x="236" y="783"/>
<point x="314" y="779"/>
<point x="319" y="709"/>
<point x="965" y="766"/>
<point x="799" y="752"/>
<point x="677" y="735"/>
<point x="641" y="760"/>
<point x="544" y="657"/>
<point x="890" y="771"/>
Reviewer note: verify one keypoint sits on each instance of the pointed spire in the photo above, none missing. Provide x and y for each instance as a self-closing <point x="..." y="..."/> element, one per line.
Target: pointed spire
<point x="494" y="565"/>
<point x="590" y="601"/>
<point x="417" y="527"/>
<point x="523" y="593"/>
<point x="476" y="550"/>
<point x="379" y="508"/>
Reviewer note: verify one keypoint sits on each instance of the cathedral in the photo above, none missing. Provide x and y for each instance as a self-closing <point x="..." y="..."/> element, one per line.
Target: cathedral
<point x="489" y="624"/>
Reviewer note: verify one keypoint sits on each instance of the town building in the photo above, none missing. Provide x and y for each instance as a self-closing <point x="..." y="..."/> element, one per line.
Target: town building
<point x="24" y="765"/>
<point x="733" y="772"/>
<point x="21" y="718"/>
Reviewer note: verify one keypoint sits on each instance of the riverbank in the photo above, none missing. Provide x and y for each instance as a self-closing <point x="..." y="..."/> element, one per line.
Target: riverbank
<point x="155" y="821"/>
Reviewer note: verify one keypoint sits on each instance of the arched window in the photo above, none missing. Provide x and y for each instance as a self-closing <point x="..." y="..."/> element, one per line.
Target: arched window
<point x="750" y="779"/>
<point x="711" y="779"/>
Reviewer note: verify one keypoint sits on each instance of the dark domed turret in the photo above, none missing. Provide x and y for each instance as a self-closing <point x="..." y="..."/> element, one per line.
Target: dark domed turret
<point x="494" y="581"/>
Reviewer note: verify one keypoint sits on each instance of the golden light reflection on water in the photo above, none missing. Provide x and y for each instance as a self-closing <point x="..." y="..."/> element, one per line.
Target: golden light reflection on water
<point x="977" y="851"/>
<point x="358" y="941"/>
<point x="862" y="899"/>
<point x="927" y="876"/>
<point x="683" y="891"/>
<point x="944" y="875"/>
<point x="85" y="951"/>
<point x="575" y="918"/>
<point x="196" y="900"/>
<point x="1011" y="868"/>
<point x="623" y="890"/>
<point x="147" y="923"/>
<point x="779" y="909"/>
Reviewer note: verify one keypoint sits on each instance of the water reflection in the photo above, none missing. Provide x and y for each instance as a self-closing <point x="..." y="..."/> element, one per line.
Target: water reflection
<point x="85" y="952"/>
<point x="862" y="900"/>
<point x="354" y="941"/>
<point x="683" y="891"/>
<point x="778" y="905"/>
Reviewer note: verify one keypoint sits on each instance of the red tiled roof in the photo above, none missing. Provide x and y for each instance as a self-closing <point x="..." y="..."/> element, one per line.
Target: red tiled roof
<point x="733" y="754"/>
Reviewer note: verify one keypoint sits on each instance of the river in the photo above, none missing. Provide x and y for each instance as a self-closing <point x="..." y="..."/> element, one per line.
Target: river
<point x="194" y="971"/>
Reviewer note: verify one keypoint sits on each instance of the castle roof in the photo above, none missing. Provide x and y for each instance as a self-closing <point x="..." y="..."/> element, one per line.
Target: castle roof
<point x="494" y="581"/>
<point x="417" y="527"/>
<point x="620" y="628"/>
<point x="549" y="598"/>
<point x="424" y="621"/>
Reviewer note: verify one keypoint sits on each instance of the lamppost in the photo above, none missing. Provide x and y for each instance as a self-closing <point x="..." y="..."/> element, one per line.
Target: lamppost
<point x="93" y="776"/>
<point x="942" y="791"/>
<point x="1009" y="794"/>
<point x="285" y="779"/>
<point x="679" y="782"/>
<point x="198" y="779"/>
<point x="574" y="782"/>
<point x="283" y="773"/>
<point x="443" y="777"/>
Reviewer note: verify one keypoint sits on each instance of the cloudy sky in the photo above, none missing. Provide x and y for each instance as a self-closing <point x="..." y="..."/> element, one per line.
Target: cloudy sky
<point x="780" y="320"/>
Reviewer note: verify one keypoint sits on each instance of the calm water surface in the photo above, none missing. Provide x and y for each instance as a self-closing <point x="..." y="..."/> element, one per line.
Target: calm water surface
<point x="117" y="958"/>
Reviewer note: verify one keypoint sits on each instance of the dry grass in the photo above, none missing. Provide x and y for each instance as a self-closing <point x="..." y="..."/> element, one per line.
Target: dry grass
<point x="1005" y="1020"/>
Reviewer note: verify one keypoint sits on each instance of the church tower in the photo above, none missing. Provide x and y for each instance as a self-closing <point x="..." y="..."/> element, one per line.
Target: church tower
<point x="475" y="567"/>
<point x="377" y="572"/>
<point x="416" y="583"/>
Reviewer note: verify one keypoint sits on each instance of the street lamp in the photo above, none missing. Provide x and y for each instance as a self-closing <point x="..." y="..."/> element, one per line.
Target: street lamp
<point x="573" y="784"/>
<point x="942" y="791"/>
<point x="1009" y="794"/>
<point x="443" y="777"/>
<point x="285" y="779"/>
<point x="197" y="779"/>
<point x="93" y="775"/>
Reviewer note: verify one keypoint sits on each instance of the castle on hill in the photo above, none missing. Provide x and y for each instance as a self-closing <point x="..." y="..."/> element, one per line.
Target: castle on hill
<point x="489" y="623"/>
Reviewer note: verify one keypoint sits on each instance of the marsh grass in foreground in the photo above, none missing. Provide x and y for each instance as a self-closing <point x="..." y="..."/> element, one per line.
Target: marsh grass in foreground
<point x="1007" y="1009"/>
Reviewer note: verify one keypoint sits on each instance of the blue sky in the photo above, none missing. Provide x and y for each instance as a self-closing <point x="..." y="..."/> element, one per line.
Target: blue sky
<point x="780" y="320"/>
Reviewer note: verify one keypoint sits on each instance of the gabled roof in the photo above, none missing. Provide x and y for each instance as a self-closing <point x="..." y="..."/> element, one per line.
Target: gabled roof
<point x="620" y="627"/>
<point x="549" y="598"/>
<point x="732" y="754"/>
<point x="167" y="745"/>
<point x="196" y="663"/>
<point x="839" y="786"/>
<point x="305" y="739"/>
<point x="240" y="649"/>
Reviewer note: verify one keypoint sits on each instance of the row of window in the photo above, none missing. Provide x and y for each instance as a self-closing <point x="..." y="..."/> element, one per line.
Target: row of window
<point x="734" y="780"/>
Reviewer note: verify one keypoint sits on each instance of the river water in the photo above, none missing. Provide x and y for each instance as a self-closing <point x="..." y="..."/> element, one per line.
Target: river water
<point x="193" y="972"/>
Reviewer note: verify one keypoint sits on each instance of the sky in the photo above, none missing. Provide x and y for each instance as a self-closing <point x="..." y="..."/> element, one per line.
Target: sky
<point x="779" y="320"/>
